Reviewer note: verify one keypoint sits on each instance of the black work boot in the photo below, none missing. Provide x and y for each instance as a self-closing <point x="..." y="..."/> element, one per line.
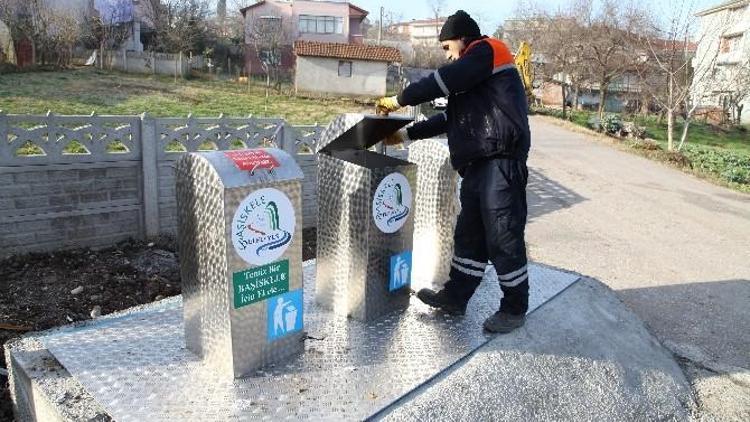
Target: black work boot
<point x="503" y="323"/>
<point x="443" y="300"/>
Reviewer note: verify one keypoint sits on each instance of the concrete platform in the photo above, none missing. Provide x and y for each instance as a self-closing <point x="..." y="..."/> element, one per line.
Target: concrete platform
<point x="582" y="355"/>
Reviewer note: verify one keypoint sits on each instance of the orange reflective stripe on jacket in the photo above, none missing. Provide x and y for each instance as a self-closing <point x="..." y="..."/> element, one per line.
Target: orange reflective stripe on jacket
<point x="502" y="58"/>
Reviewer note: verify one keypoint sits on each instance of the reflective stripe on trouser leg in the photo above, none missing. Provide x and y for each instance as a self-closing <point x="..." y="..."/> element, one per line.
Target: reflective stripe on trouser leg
<point x="504" y="213"/>
<point x="469" y="245"/>
<point x="514" y="278"/>
<point x="468" y="266"/>
<point x="468" y="272"/>
<point x="464" y="280"/>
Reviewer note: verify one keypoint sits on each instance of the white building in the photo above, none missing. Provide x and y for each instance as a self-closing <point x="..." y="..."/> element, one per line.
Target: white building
<point x="321" y="21"/>
<point x="420" y="32"/>
<point x="343" y="69"/>
<point x="722" y="61"/>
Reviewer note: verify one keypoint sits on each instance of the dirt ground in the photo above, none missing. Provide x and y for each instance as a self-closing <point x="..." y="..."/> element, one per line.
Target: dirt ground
<point x="42" y="291"/>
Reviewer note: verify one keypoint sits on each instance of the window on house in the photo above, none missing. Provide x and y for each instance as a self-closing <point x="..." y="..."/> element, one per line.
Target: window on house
<point x="339" y="25"/>
<point x="736" y="13"/>
<point x="345" y="69"/>
<point x="269" y="56"/>
<point x="730" y="44"/>
<point x="268" y="24"/>
<point x="311" y="24"/>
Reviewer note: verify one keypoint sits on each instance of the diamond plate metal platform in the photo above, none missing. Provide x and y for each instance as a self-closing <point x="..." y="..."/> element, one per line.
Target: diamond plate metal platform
<point x="136" y="366"/>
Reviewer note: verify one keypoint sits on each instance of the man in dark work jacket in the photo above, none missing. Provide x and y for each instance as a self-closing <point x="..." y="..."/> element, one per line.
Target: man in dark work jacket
<point x="488" y="136"/>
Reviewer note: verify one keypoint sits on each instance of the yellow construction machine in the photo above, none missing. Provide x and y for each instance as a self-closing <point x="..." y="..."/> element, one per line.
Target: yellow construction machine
<point x="526" y="69"/>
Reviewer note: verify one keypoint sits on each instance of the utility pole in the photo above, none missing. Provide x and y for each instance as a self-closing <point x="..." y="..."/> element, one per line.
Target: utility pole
<point x="380" y="25"/>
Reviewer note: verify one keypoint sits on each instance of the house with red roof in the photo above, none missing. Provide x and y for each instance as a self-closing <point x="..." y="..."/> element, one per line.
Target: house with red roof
<point x="344" y="69"/>
<point x="322" y="41"/>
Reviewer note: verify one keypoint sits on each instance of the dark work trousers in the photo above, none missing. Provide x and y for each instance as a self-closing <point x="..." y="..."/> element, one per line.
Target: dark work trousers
<point x="491" y="228"/>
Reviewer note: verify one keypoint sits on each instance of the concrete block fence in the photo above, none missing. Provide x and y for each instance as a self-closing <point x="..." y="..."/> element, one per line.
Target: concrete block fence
<point x="56" y="200"/>
<point x="147" y="62"/>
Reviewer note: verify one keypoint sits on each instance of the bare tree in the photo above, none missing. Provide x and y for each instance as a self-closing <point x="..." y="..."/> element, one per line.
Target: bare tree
<point x="185" y="28"/>
<point x="565" y="55"/>
<point x="390" y="27"/>
<point x="712" y="77"/>
<point x="30" y="19"/>
<point x="111" y="26"/>
<point x="67" y="30"/>
<point x="51" y="29"/>
<point x="39" y="16"/>
<point x="677" y="78"/>
<point x="154" y="13"/>
<point x="667" y="65"/>
<point x="226" y="19"/>
<point x="269" y="36"/>
<point x="235" y="20"/>
<point x="736" y="90"/>
<point x="558" y="41"/>
<point x="179" y="25"/>
<point x="428" y="56"/>
<point x="562" y="46"/>
<point x="612" y="47"/>
<point x="437" y="7"/>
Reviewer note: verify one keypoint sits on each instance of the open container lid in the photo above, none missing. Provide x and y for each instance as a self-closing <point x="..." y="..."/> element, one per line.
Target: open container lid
<point x="354" y="131"/>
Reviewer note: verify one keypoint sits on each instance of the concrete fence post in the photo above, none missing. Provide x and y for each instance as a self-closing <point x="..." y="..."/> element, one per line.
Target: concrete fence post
<point x="287" y="139"/>
<point x="6" y="152"/>
<point x="150" y="156"/>
<point x="125" y="61"/>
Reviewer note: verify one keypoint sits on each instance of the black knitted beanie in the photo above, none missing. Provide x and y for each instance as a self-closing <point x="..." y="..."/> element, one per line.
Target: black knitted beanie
<point x="459" y="25"/>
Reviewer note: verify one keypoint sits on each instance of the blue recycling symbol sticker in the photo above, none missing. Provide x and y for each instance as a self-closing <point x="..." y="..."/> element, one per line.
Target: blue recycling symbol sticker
<point x="285" y="314"/>
<point x="400" y="273"/>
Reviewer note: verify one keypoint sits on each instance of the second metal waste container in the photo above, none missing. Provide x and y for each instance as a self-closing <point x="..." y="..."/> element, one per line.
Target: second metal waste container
<point x="365" y="219"/>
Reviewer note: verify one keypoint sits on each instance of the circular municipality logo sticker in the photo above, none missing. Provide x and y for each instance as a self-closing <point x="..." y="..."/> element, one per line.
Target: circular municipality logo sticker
<point x="263" y="226"/>
<point x="392" y="203"/>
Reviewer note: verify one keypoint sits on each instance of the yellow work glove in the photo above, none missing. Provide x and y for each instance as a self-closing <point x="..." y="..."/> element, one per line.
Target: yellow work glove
<point x="387" y="104"/>
<point x="398" y="137"/>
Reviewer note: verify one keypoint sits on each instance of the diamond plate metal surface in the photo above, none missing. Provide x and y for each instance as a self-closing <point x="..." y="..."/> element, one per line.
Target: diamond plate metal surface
<point x="436" y="208"/>
<point x="354" y="255"/>
<point x="203" y="250"/>
<point x="137" y="368"/>
<point x="210" y="188"/>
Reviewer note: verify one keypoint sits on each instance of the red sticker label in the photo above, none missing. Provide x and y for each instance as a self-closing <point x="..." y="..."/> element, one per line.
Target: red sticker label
<point x="253" y="159"/>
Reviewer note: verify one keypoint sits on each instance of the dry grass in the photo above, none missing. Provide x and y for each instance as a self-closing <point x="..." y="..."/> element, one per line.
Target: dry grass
<point x="83" y="91"/>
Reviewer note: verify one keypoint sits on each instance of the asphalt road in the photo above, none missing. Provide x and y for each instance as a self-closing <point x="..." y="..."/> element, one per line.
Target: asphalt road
<point x="675" y="248"/>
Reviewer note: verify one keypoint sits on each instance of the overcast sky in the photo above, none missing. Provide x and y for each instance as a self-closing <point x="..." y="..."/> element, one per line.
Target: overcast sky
<point x="492" y="13"/>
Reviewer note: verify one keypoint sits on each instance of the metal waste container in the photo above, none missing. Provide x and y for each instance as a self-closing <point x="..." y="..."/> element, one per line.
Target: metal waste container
<point x="240" y="240"/>
<point x="436" y="210"/>
<point x="365" y="219"/>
